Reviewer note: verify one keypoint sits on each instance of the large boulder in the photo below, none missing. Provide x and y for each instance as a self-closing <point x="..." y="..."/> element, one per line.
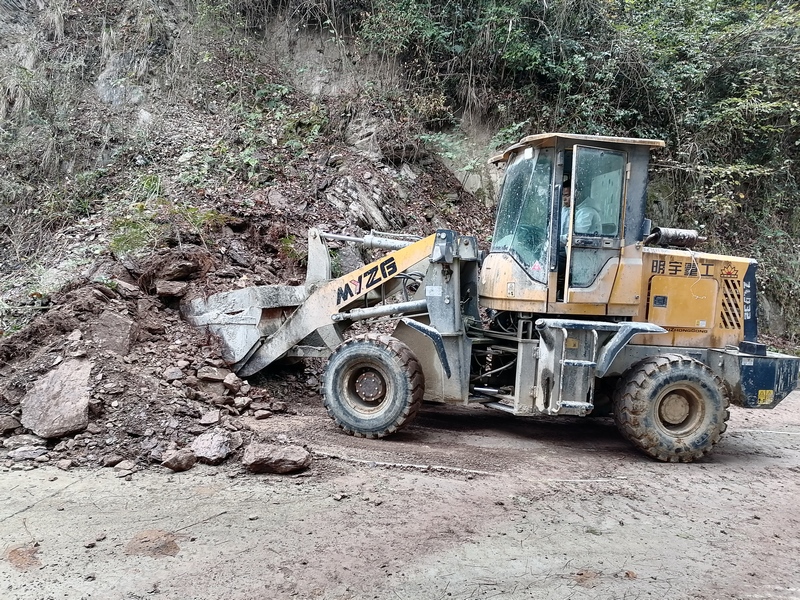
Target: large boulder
<point x="58" y="403"/>
<point x="269" y="458"/>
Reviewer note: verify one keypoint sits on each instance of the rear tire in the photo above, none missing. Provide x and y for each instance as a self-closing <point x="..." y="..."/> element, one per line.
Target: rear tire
<point x="373" y="386"/>
<point x="671" y="407"/>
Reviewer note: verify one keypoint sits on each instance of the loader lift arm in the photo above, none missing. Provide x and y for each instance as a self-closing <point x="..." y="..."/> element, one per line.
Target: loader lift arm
<point x="324" y="302"/>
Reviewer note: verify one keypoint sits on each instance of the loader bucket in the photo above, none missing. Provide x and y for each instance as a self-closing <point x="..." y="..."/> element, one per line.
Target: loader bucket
<point x="259" y="325"/>
<point x="242" y="317"/>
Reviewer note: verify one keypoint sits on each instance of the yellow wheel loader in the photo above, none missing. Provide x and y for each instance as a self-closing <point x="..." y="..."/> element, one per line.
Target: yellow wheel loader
<point x="580" y="307"/>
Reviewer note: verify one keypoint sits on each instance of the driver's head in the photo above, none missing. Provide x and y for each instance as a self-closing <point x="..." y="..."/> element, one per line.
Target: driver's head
<point x="566" y="193"/>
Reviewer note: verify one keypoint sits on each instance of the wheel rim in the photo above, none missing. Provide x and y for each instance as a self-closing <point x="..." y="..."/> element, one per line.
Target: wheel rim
<point x="680" y="410"/>
<point x="365" y="388"/>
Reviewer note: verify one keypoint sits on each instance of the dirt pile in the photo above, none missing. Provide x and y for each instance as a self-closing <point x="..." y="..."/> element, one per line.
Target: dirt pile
<point x="156" y="389"/>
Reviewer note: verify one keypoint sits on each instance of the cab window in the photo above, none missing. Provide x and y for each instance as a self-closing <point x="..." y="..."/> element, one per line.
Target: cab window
<point x="523" y="214"/>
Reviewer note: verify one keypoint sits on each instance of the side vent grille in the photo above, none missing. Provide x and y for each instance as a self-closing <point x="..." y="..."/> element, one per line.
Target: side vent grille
<point x="731" y="314"/>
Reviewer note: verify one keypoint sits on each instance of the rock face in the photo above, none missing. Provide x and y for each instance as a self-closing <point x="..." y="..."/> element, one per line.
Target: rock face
<point x="58" y="404"/>
<point x="213" y="446"/>
<point x="268" y="458"/>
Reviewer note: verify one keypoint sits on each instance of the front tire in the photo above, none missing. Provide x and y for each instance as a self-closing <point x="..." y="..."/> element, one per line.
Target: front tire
<point x="671" y="407"/>
<point x="373" y="386"/>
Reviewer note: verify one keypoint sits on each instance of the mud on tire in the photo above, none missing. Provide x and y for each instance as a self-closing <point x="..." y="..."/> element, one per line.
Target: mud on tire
<point x="671" y="407"/>
<point x="373" y="386"/>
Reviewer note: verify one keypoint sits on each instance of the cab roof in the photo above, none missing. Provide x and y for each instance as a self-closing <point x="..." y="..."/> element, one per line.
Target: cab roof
<point x="545" y="140"/>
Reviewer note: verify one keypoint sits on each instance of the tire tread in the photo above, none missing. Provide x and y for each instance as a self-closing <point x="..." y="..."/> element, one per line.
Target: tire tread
<point x="409" y="365"/>
<point x="630" y="406"/>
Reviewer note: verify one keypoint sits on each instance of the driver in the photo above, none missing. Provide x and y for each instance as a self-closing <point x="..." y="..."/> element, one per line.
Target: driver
<point x="587" y="219"/>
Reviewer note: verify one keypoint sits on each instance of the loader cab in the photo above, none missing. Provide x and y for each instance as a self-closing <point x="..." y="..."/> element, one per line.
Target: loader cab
<point x="550" y="255"/>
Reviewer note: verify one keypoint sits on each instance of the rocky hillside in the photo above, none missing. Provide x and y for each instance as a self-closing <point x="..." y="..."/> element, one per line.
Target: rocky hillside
<point x="153" y="150"/>
<point x="153" y="155"/>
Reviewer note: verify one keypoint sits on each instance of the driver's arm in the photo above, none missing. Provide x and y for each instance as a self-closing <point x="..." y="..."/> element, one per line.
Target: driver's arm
<point x="587" y="220"/>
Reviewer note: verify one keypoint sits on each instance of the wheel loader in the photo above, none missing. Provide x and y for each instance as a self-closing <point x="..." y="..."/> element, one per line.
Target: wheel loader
<point x="564" y="315"/>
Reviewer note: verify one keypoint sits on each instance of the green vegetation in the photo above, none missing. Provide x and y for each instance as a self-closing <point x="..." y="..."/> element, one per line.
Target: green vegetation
<point x="289" y="249"/>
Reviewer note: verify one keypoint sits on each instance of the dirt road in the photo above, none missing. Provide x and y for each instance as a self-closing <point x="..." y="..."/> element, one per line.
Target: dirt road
<point x="486" y="506"/>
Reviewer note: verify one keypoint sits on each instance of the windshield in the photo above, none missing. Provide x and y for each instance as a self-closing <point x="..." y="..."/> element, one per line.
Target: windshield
<point x="524" y="212"/>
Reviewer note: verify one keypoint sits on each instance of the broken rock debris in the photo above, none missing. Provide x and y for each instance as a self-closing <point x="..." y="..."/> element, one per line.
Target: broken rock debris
<point x="120" y="381"/>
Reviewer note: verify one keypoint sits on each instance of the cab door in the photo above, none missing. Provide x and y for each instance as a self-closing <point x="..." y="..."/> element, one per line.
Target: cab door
<point x="598" y="179"/>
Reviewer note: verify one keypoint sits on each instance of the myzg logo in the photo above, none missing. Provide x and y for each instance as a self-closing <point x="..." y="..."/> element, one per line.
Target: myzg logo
<point x="366" y="281"/>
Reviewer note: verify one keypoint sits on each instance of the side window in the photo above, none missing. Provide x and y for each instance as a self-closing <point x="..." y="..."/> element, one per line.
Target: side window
<point x="599" y="180"/>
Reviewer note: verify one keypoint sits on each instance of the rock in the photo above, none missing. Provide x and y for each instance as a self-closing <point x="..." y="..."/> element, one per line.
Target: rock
<point x="126" y="290"/>
<point x="171" y="289"/>
<point x="186" y="264"/>
<point x="94" y="428"/>
<point x="260" y="415"/>
<point x="180" y="460"/>
<point x="58" y="404"/>
<point x="232" y="382"/>
<point x="126" y="466"/>
<point x="260" y="405"/>
<point x="279" y="407"/>
<point x="213" y="446"/>
<point x="348" y="259"/>
<point x="114" y="87"/>
<point x="213" y="374"/>
<point x="212" y="388"/>
<point x="114" y="332"/>
<point x="112" y="460"/>
<point x="241" y="402"/>
<point x="277" y="200"/>
<point x="27" y="453"/>
<point x="64" y="464"/>
<point x="95" y="407"/>
<point x="7" y="424"/>
<point x="172" y="374"/>
<point x="269" y="458"/>
<point x="210" y="418"/>
<point x="220" y="400"/>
